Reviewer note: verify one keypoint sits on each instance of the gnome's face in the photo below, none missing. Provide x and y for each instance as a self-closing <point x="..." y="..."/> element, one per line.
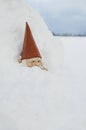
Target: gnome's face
<point x="34" y="62"/>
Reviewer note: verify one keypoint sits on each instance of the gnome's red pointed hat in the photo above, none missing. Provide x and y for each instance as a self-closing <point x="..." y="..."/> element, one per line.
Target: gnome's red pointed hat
<point x="30" y="49"/>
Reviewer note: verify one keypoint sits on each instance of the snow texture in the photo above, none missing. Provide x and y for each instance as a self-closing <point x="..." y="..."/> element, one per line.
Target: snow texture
<point x="30" y="98"/>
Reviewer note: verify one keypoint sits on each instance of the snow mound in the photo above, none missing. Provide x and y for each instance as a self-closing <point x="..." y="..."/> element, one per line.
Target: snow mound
<point x="28" y="96"/>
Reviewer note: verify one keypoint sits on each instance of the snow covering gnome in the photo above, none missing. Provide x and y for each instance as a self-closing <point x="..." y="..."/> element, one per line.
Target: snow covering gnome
<point x="30" y="52"/>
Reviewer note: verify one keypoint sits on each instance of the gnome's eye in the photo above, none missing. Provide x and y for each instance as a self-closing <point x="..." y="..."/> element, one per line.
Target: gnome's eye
<point x="33" y="61"/>
<point x="39" y="61"/>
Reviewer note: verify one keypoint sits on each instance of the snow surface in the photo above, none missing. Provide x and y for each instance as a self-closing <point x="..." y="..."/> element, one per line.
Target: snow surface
<point x="30" y="98"/>
<point x="75" y="82"/>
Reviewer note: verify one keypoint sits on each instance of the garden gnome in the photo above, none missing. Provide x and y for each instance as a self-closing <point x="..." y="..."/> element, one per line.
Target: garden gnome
<point x="30" y="52"/>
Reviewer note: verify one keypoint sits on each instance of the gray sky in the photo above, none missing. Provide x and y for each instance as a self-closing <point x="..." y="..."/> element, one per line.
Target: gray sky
<point x="63" y="16"/>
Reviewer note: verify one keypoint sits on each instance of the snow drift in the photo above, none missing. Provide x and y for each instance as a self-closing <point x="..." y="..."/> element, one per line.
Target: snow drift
<point x="32" y="99"/>
<point x="28" y="96"/>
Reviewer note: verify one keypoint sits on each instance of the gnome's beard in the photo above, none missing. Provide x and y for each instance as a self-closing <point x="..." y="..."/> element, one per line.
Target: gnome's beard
<point x="34" y="62"/>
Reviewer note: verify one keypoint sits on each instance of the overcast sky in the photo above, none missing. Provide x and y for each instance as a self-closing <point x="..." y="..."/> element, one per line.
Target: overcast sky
<point x="63" y="16"/>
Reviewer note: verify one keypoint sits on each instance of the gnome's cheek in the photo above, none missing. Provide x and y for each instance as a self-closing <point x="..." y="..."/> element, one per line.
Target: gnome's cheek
<point x="41" y="63"/>
<point x="29" y="63"/>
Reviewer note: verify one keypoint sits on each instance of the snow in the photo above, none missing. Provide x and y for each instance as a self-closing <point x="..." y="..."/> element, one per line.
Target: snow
<point x="29" y="97"/>
<point x="75" y="81"/>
